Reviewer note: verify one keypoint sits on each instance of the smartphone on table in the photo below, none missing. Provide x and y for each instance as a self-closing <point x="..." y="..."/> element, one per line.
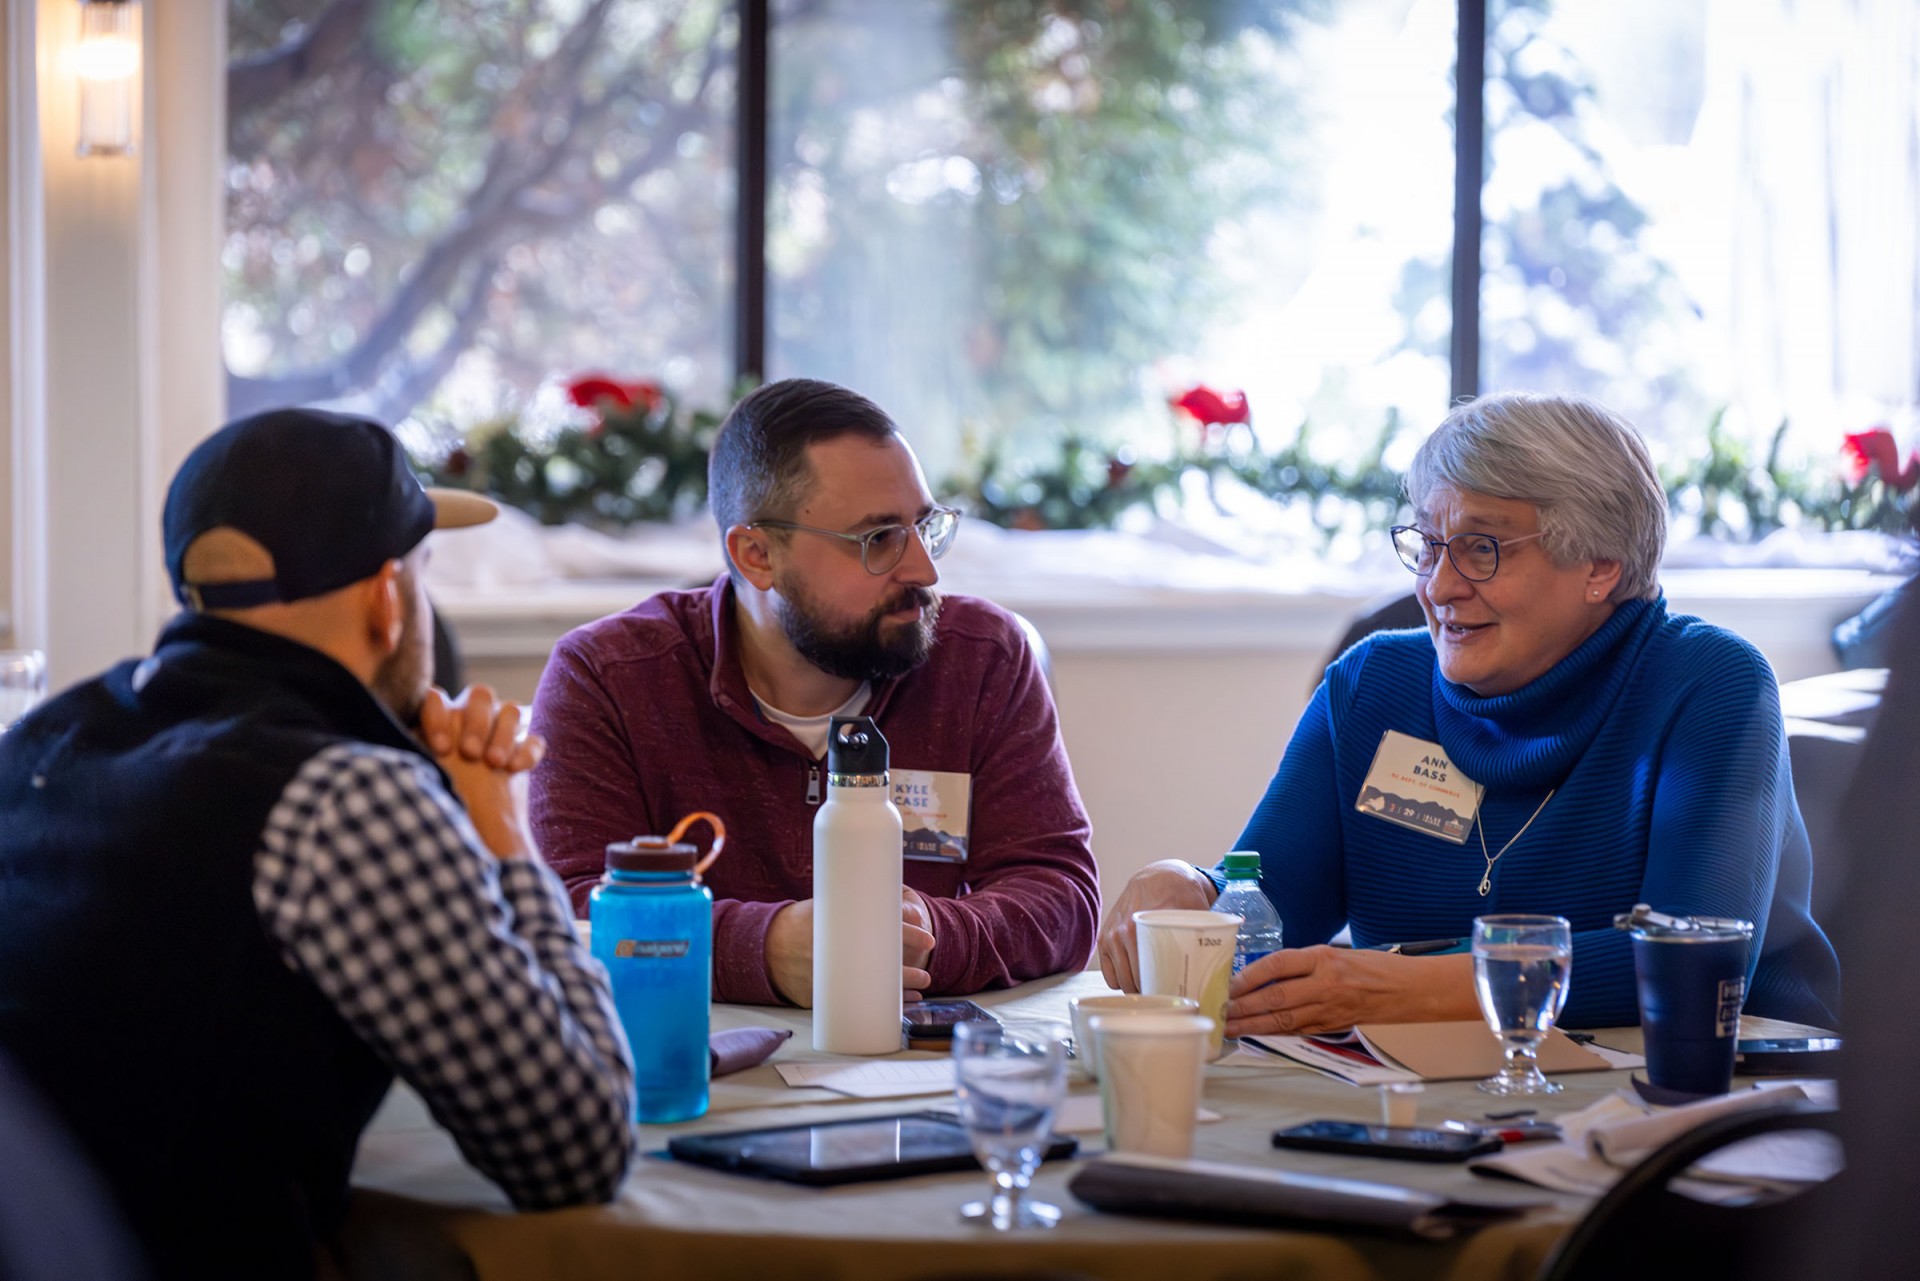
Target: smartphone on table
<point x="1787" y="1056"/>
<point x="1401" y="1142"/>
<point x="930" y="1024"/>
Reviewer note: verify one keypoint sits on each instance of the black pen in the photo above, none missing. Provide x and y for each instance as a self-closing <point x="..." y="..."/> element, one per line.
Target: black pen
<point x="1422" y="947"/>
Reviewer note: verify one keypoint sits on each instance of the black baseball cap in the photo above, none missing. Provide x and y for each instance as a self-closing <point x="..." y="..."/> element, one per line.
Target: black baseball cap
<point x="293" y="503"/>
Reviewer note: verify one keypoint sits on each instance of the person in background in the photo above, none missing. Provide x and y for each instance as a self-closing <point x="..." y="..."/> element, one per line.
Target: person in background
<point x="1555" y="741"/>
<point x="238" y="896"/>
<point x="720" y="698"/>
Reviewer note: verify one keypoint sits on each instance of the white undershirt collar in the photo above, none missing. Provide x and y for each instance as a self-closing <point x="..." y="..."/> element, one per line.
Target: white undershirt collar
<point x="812" y="731"/>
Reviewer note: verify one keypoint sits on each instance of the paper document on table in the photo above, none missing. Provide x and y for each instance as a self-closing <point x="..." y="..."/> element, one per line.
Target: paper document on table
<point x="1385" y="1053"/>
<point x="1466" y="1050"/>
<point x="879" y="1080"/>
<point x="1352" y="1065"/>
<point x="1785" y="1161"/>
<point x="1616" y="1059"/>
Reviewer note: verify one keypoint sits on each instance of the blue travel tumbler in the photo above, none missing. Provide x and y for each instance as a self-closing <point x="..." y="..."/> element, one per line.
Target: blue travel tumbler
<point x="1692" y="978"/>
<point x="653" y="930"/>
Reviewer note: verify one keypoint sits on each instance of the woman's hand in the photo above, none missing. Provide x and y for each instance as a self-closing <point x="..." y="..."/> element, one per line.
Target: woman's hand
<point x="1171" y="882"/>
<point x="1328" y="989"/>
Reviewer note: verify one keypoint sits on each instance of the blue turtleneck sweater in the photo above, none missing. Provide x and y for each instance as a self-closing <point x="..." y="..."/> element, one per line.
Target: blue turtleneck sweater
<point x="1663" y="736"/>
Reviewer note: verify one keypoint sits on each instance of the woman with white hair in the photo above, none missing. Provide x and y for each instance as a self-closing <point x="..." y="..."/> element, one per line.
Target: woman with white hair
<point x="1557" y="742"/>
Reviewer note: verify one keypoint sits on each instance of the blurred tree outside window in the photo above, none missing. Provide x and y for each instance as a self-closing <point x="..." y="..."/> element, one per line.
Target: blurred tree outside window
<point x="438" y="207"/>
<point x="1022" y="226"/>
<point x="1706" y="213"/>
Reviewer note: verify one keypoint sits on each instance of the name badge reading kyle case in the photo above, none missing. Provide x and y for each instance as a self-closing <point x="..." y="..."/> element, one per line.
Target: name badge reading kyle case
<point x="1412" y="783"/>
<point x="935" y="807"/>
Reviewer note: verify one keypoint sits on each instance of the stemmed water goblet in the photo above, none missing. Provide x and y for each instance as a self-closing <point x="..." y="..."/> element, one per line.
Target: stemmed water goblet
<point x="1520" y="970"/>
<point x="1009" y="1081"/>
<point x="23" y="683"/>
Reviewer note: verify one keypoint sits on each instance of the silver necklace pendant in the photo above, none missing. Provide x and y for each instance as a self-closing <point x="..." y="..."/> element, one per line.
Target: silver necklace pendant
<point x="1486" y="882"/>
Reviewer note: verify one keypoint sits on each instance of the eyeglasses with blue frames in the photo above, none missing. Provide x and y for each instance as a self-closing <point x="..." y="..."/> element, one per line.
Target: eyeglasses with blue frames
<point x="882" y="547"/>
<point x="1475" y="557"/>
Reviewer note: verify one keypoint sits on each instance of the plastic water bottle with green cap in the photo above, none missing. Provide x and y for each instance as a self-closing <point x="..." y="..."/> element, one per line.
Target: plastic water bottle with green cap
<point x="1260" y="923"/>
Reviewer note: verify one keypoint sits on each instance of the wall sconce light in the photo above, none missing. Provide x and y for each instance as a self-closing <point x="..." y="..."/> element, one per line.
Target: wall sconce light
<point x="107" y="61"/>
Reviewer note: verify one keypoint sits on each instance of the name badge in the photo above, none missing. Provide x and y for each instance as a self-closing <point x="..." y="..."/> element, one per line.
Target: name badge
<point x="1412" y="783"/>
<point x="934" y="806"/>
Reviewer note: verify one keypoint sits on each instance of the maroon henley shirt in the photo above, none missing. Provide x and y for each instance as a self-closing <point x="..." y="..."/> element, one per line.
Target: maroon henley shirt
<point x="648" y="717"/>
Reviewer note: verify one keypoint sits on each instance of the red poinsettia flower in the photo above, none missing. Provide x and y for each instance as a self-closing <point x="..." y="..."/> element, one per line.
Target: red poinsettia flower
<point x="1214" y="408"/>
<point x="589" y="391"/>
<point x="1870" y="451"/>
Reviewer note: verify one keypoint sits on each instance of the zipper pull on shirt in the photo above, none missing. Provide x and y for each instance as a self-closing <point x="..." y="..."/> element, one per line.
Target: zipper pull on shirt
<point x="813" y="784"/>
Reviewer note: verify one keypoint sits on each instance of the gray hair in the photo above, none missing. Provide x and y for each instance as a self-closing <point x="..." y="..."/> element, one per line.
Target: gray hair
<point x="1583" y="466"/>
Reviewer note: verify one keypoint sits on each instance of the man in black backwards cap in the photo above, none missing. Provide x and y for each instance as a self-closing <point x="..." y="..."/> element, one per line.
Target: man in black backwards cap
<point x="237" y="895"/>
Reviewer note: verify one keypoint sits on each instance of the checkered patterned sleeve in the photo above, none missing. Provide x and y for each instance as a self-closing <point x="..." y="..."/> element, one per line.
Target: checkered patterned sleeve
<point x="461" y="970"/>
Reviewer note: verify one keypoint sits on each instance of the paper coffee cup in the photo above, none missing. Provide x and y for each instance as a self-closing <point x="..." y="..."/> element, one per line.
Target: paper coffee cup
<point x="1188" y="953"/>
<point x="1086" y="1043"/>
<point x="1151" y="1066"/>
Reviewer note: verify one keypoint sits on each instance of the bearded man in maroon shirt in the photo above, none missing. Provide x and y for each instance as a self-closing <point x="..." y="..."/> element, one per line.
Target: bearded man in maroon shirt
<point x="719" y="698"/>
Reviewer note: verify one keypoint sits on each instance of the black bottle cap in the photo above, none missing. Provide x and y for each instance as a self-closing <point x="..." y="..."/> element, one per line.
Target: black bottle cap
<point x="854" y="746"/>
<point x="651" y="854"/>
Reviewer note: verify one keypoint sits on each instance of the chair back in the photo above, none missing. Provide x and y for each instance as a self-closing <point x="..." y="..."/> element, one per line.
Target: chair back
<point x="1038" y="644"/>
<point x="1644" y="1228"/>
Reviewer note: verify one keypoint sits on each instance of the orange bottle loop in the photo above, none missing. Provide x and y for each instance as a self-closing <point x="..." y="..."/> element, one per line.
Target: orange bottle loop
<point x="719" y="839"/>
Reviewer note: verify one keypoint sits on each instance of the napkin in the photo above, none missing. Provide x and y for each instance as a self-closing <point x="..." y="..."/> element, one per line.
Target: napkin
<point x="1630" y="1141"/>
<point x="739" y="1048"/>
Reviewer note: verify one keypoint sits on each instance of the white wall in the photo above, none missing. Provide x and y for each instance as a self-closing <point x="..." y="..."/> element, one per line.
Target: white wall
<point x="1171" y="752"/>
<point x="112" y="370"/>
<point x="16" y="88"/>
<point x="6" y="343"/>
<point x="86" y="551"/>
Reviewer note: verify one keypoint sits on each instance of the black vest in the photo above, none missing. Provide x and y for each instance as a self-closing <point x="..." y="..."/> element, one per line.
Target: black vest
<point x="219" y="1093"/>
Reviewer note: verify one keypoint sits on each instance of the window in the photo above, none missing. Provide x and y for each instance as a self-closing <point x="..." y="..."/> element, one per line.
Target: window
<point x="1703" y="209"/>
<point x="1029" y="220"/>
<point x="436" y="207"/>
<point x="1024" y="221"/>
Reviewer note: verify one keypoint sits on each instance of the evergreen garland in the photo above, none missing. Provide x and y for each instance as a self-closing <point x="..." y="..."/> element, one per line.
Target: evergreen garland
<point x="640" y="459"/>
<point x="643" y="459"/>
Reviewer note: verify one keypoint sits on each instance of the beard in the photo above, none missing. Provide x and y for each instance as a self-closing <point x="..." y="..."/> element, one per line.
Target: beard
<point x="872" y="649"/>
<point x="400" y="682"/>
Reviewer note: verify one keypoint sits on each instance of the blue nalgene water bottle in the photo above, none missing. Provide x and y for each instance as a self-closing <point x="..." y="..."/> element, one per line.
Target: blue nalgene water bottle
<point x="653" y="930"/>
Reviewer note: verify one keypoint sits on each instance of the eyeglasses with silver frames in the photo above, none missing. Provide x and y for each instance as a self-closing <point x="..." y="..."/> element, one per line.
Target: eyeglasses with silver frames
<point x="882" y="547"/>
<point x="1475" y="557"/>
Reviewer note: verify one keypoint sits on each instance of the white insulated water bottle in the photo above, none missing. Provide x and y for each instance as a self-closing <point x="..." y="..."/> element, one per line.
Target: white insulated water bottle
<point x="856" y="897"/>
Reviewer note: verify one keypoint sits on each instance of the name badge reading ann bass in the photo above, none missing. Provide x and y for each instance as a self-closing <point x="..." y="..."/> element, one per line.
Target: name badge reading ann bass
<point x="1412" y="783"/>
